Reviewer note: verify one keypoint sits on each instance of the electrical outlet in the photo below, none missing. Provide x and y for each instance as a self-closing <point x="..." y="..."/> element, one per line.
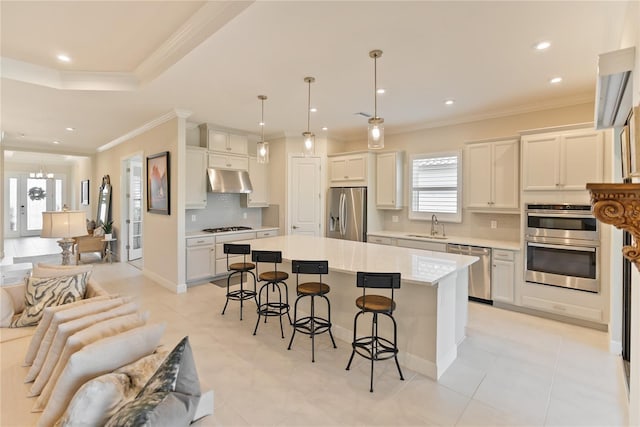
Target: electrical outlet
<point x="394" y="218"/>
<point x="193" y="218"/>
<point x="494" y="224"/>
<point x="244" y="215"/>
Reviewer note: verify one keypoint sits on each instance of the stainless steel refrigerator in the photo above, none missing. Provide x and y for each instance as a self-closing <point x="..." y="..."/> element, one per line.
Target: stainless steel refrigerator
<point x="347" y="213"/>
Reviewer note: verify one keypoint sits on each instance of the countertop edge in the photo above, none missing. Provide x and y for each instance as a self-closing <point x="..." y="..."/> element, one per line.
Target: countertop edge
<point x="472" y="241"/>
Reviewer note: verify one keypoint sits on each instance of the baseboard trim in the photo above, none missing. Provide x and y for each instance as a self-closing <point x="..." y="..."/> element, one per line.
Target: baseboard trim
<point x="552" y="316"/>
<point x="177" y="288"/>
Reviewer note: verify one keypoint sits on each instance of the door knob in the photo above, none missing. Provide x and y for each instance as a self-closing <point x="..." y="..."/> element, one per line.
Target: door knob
<point x="295" y="227"/>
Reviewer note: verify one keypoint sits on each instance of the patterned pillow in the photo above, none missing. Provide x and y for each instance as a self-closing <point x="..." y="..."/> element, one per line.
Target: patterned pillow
<point x="169" y="398"/>
<point x="43" y="292"/>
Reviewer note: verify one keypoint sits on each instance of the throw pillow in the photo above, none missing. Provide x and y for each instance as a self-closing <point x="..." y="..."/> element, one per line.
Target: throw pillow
<point x="44" y="324"/>
<point x="67" y="329"/>
<point x="49" y="292"/>
<point x="62" y="316"/>
<point x="97" y="400"/>
<point x="97" y="359"/>
<point x="55" y="270"/>
<point x="6" y="309"/>
<point x="81" y="339"/>
<point x="169" y="398"/>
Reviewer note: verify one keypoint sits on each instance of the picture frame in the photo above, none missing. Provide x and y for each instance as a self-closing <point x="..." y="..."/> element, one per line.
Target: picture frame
<point x="158" y="184"/>
<point x="84" y="192"/>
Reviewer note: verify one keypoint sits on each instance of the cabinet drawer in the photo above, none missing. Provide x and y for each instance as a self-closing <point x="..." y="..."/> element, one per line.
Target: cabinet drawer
<point x="379" y="240"/>
<point x="228" y="162"/>
<point x="503" y="255"/>
<point x="270" y="233"/>
<point x="236" y="236"/>
<point x="563" y="308"/>
<point x="201" y="241"/>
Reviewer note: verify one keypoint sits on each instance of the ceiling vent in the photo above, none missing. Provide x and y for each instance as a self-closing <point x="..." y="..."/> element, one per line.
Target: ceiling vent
<point x="614" y="87"/>
<point x="361" y="114"/>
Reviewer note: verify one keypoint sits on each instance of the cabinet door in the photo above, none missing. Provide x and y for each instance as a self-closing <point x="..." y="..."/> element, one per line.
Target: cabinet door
<point x="505" y="175"/>
<point x="356" y="168"/>
<point x="238" y="144"/>
<point x="479" y="175"/>
<point x="541" y="162"/>
<point x="387" y="185"/>
<point x="218" y="141"/>
<point x="200" y="262"/>
<point x="196" y="182"/>
<point x="502" y="276"/>
<point x="338" y="170"/>
<point x="259" y="198"/>
<point x="228" y="162"/>
<point x="581" y="159"/>
<point x="349" y="170"/>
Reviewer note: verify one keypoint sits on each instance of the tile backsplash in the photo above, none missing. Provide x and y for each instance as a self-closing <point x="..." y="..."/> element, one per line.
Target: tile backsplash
<point x="222" y="210"/>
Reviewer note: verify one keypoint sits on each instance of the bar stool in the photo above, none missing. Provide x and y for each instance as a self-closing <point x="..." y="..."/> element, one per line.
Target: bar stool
<point x="311" y="325"/>
<point x="241" y="268"/>
<point x="276" y="279"/>
<point x="375" y="347"/>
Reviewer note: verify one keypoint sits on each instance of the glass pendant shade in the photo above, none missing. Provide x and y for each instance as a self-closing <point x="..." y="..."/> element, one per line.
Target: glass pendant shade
<point x="376" y="133"/>
<point x="309" y="143"/>
<point x="262" y="152"/>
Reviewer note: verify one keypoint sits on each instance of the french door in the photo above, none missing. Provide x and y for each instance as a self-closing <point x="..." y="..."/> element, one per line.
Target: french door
<point x="26" y="199"/>
<point x="135" y="209"/>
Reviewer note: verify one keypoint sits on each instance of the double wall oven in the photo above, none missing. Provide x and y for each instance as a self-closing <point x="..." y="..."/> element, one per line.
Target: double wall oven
<point x="562" y="246"/>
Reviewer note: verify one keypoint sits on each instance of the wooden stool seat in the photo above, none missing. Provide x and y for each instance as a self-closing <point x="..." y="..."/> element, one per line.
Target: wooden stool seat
<point x="242" y="266"/>
<point x="375" y="303"/>
<point x="273" y="276"/>
<point x="313" y="288"/>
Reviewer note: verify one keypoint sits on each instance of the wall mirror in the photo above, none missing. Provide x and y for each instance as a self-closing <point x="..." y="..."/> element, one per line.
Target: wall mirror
<point x="104" y="201"/>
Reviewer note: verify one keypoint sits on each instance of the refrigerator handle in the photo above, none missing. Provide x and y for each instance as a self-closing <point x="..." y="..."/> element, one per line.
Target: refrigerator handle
<point x="343" y="214"/>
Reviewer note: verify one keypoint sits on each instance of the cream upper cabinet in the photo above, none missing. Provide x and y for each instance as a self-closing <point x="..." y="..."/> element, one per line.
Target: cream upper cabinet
<point x="348" y="170"/>
<point x="491" y="178"/>
<point x="562" y="160"/>
<point x="389" y="174"/>
<point x="223" y="142"/>
<point x="196" y="188"/>
<point x="221" y="161"/>
<point x="259" y="197"/>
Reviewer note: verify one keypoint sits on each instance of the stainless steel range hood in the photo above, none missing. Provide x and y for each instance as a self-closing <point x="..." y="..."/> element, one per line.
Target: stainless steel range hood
<point x="229" y="181"/>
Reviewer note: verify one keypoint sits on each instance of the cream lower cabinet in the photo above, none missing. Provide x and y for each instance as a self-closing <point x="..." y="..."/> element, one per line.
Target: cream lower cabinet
<point x="196" y="182"/>
<point x="201" y="258"/>
<point x="491" y="175"/>
<point x="503" y="276"/>
<point x="564" y="160"/>
<point x="389" y="174"/>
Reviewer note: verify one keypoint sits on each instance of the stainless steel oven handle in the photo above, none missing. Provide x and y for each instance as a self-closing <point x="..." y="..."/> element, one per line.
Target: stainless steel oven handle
<point x="562" y="214"/>
<point x="566" y="247"/>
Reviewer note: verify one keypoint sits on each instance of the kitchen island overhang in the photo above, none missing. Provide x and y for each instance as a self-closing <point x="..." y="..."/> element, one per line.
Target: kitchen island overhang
<point x="431" y="303"/>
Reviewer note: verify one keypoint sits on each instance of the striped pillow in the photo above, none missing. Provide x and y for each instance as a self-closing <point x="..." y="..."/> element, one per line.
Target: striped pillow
<point x="43" y="292"/>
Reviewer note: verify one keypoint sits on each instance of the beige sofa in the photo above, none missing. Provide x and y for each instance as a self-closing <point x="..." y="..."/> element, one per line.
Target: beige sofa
<point x="16" y="407"/>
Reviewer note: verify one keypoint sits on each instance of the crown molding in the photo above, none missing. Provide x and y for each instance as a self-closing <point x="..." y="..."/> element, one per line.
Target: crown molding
<point x="212" y="16"/>
<point x="177" y="113"/>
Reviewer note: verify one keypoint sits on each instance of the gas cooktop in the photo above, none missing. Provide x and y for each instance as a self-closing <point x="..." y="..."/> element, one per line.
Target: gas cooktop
<point x="224" y="229"/>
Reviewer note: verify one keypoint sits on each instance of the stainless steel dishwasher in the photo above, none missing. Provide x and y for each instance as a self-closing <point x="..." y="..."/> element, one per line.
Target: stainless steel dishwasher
<point x="479" y="272"/>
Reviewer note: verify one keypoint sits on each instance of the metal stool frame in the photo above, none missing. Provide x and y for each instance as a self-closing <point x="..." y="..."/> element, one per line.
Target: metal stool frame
<point x="267" y="308"/>
<point x="239" y="294"/>
<point x="374" y="347"/>
<point x="311" y="325"/>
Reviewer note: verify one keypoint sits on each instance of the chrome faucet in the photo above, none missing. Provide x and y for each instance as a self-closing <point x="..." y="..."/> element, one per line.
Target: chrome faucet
<point x="434" y="225"/>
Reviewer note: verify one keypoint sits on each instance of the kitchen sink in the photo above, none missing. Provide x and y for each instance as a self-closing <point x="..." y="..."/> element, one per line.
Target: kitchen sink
<point x="428" y="236"/>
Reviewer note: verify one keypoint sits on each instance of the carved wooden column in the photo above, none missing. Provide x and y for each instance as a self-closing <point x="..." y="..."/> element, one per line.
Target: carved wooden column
<point x="619" y="205"/>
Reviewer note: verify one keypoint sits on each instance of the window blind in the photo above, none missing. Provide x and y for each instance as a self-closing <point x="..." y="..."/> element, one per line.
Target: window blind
<point x="435" y="185"/>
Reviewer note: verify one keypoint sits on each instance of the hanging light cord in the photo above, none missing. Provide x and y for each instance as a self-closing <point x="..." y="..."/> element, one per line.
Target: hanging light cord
<point x="375" y="86"/>
<point x="309" y="106"/>
<point x="262" y="120"/>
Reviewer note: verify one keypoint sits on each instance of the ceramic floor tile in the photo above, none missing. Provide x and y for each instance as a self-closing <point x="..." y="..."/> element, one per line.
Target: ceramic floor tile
<point x="479" y="414"/>
<point x="462" y="378"/>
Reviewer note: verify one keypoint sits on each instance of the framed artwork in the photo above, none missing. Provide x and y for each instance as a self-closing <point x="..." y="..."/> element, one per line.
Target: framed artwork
<point x="84" y="192"/>
<point x="158" y="184"/>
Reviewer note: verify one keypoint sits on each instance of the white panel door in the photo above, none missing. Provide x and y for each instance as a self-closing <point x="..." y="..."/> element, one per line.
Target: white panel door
<point x="304" y="196"/>
<point x="135" y="209"/>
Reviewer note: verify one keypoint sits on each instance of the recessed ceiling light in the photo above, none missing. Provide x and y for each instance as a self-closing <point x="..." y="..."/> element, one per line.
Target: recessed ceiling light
<point x="313" y="109"/>
<point x="70" y="129"/>
<point x="542" y="45"/>
<point x="325" y="128"/>
<point x="22" y="135"/>
<point x="449" y="102"/>
<point x="56" y="142"/>
<point x="555" y="80"/>
<point x="64" y="58"/>
<point x="380" y="90"/>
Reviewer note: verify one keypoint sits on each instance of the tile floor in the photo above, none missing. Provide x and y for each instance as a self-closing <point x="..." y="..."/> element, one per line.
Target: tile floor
<point x="513" y="369"/>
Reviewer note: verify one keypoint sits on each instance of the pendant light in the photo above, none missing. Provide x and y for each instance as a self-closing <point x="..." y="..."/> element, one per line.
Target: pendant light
<point x="262" y="149"/>
<point x="309" y="137"/>
<point x="376" y="124"/>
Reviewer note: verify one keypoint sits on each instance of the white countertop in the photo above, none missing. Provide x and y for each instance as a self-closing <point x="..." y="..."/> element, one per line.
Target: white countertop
<point x="415" y="265"/>
<point x="495" y="244"/>
<point x="200" y="233"/>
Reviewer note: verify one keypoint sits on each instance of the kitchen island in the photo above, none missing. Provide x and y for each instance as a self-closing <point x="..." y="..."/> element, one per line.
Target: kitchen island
<point x="431" y="304"/>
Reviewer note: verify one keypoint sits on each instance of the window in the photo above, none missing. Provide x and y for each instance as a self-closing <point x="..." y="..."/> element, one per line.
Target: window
<point x="435" y="186"/>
